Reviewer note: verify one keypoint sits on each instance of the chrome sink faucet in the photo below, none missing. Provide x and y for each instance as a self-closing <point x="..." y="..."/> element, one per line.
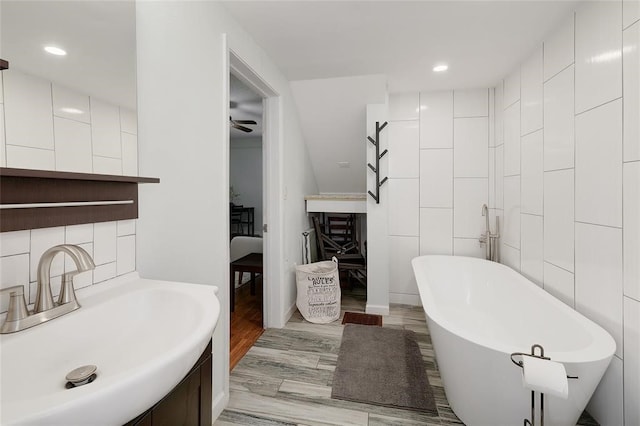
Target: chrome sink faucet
<point x="45" y="309"/>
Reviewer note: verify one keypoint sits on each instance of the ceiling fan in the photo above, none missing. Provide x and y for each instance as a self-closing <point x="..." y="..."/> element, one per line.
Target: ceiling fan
<point x="238" y="124"/>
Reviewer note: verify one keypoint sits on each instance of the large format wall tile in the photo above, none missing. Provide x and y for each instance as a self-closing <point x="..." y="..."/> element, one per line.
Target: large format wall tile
<point x="631" y="88"/>
<point x="126" y="256"/>
<point x="559" y="283"/>
<point x="470" y="247"/>
<point x="16" y="242"/>
<point x="471" y="103"/>
<point x="599" y="277"/>
<point x="512" y="140"/>
<point x="436" y="178"/>
<point x="404" y="207"/>
<point x="559" y="121"/>
<point x="469" y="194"/>
<point x="436" y="119"/>
<point x="558" y="49"/>
<point x="599" y="165"/>
<point x="401" y="278"/>
<point x="510" y="256"/>
<point x="512" y="88"/>
<point x="598" y="55"/>
<point x="531" y="250"/>
<point x="105" y="129"/>
<point x="559" y="218"/>
<point x="70" y="104"/>
<point x="128" y="121"/>
<point x="436" y="231"/>
<point x="404" y="147"/>
<point x="404" y="106"/>
<point x="105" y="245"/>
<point x="107" y="166"/>
<point x="631" y="229"/>
<point x="630" y="14"/>
<point x="499" y="113"/>
<point x="129" y="154"/>
<point x="532" y="173"/>
<point x="28" y="111"/>
<point x="73" y="146"/>
<point x="499" y="177"/>
<point x="511" y="235"/>
<point x="531" y="92"/>
<point x="22" y="157"/>
<point x="470" y="147"/>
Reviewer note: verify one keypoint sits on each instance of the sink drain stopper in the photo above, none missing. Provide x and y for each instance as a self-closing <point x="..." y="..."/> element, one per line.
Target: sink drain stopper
<point x="81" y="376"/>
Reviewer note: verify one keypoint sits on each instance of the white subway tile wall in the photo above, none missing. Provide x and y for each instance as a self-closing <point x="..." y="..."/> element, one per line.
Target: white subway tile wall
<point x="437" y="185"/>
<point x="404" y="142"/>
<point x="51" y="127"/>
<point x="598" y="57"/>
<point x="631" y="91"/>
<point x="531" y="91"/>
<point x="580" y="181"/>
<point x="560" y="283"/>
<point x="436" y="119"/>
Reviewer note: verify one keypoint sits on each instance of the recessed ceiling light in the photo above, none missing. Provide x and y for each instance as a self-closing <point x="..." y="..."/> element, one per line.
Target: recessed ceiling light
<point x="55" y="50"/>
<point x="440" y="68"/>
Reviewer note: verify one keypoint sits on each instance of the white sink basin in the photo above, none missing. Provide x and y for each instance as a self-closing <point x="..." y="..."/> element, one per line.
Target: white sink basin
<point x="143" y="335"/>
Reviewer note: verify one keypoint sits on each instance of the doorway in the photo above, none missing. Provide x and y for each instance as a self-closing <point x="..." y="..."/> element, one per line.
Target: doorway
<point x="246" y="206"/>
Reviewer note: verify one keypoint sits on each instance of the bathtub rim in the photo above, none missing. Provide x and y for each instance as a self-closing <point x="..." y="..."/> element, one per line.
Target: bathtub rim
<point x="602" y="345"/>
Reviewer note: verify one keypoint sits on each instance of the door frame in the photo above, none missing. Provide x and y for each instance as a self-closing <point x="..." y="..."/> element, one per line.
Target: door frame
<point x="271" y="184"/>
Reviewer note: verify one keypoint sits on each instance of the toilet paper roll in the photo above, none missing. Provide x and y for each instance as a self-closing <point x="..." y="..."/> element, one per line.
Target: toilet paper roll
<point x="546" y="376"/>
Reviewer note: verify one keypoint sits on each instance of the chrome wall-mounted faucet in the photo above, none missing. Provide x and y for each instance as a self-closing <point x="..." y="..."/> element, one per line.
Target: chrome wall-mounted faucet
<point x="488" y="239"/>
<point x="45" y="309"/>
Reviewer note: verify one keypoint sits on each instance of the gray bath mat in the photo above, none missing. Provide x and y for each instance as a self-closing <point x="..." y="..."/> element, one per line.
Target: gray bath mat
<point x="382" y="366"/>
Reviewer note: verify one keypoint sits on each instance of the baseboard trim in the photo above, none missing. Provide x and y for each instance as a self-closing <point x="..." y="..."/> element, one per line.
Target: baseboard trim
<point x="218" y="405"/>
<point x="377" y="309"/>
<point x="287" y="315"/>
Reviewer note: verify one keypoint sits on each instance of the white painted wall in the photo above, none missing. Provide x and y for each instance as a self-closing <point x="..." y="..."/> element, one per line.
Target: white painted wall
<point x="42" y="134"/>
<point x="245" y="172"/>
<point x="377" y="219"/>
<point x="567" y="181"/>
<point x="333" y="118"/>
<point x="438" y="180"/>
<point x="183" y="226"/>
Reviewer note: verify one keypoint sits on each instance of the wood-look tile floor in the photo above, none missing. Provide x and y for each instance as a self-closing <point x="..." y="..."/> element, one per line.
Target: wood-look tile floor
<point x="286" y="377"/>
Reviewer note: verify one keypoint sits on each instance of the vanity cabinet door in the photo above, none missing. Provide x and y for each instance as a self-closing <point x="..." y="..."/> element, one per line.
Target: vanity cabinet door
<point x="188" y="404"/>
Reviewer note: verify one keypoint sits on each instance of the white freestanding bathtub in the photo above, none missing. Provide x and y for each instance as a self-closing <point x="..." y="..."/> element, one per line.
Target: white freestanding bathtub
<point x="478" y="313"/>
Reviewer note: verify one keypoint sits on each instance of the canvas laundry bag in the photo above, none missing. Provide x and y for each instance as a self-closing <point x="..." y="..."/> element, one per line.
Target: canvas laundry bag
<point x="319" y="291"/>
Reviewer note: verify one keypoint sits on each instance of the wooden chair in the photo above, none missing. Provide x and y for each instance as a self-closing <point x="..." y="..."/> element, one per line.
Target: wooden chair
<point x="341" y="228"/>
<point x="350" y="260"/>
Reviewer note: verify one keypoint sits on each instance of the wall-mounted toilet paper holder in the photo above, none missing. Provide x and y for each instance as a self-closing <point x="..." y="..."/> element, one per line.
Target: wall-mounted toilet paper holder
<point x="520" y="364"/>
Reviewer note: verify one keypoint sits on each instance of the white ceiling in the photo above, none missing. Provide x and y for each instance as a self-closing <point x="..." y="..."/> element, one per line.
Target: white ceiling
<point x="99" y="37"/>
<point x="480" y="40"/>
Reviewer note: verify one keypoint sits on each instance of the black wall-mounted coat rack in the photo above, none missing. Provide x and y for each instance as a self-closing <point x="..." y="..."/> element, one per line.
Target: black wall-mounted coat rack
<point x="376" y="168"/>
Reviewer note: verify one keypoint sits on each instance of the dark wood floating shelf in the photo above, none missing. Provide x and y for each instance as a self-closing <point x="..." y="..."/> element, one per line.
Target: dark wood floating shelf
<point x="4" y="65"/>
<point x="32" y="199"/>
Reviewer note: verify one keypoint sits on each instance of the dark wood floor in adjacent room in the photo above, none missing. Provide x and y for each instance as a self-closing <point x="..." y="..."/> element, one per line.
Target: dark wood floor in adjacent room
<point x="246" y="322"/>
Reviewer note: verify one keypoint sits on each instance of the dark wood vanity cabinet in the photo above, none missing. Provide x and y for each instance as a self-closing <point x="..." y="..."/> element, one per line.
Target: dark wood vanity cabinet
<point x="188" y="404"/>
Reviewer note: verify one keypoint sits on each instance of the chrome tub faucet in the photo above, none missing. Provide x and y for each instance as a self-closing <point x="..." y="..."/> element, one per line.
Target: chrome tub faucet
<point x="45" y="309"/>
<point x="490" y="240"/>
